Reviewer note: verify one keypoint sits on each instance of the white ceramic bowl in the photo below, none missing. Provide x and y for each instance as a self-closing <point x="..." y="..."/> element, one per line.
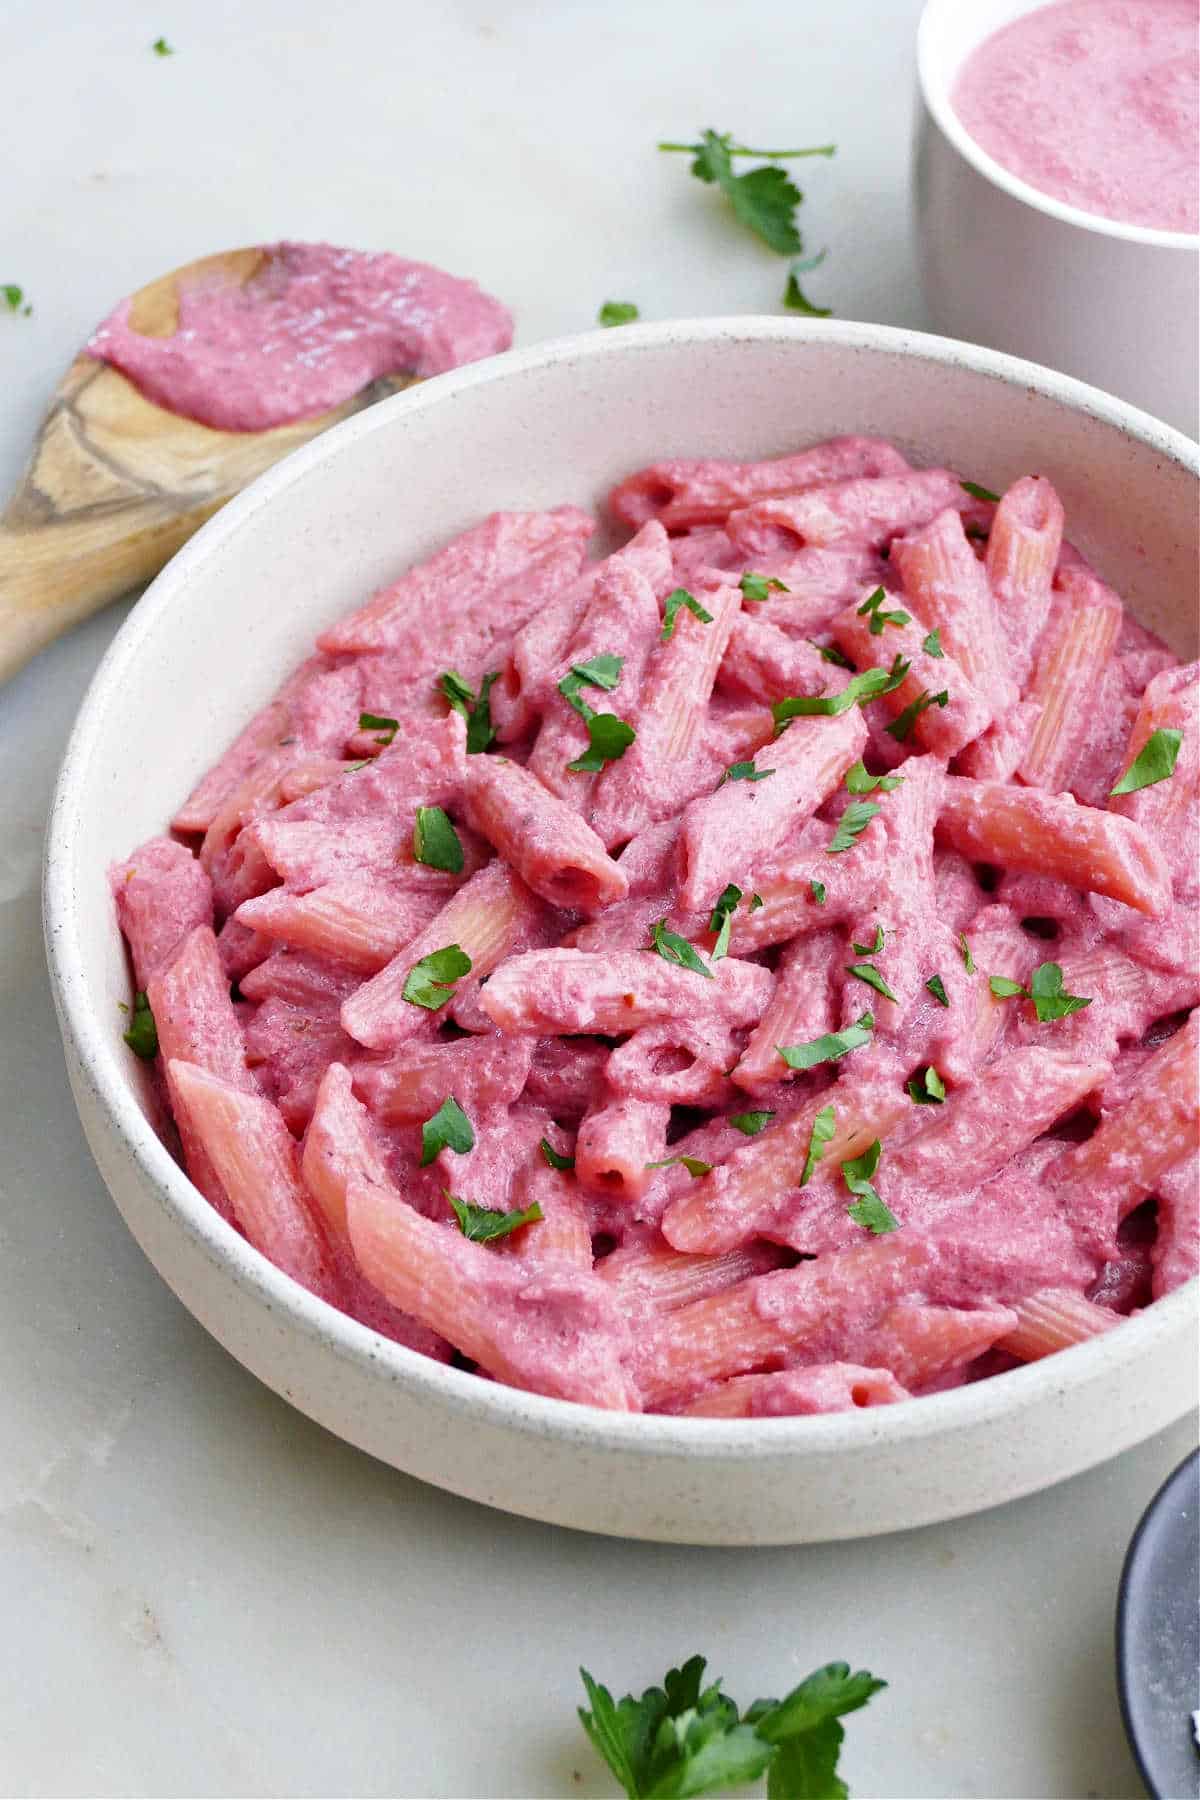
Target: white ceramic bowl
<point x="239" y="605"/>
<point x="1006" y="265"/>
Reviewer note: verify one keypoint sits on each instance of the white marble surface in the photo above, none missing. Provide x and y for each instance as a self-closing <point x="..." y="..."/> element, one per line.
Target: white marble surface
<point x="202" y="1593"/>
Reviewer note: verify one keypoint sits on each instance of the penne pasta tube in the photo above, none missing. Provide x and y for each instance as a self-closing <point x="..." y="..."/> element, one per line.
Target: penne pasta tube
<point x="800" y="1009"/>
<point x="161" y="894"/>
<point x="681" y="494"/>
<point x="869" y="512"/>
<point x="821" y="1388"/>
<point x="541" y="836"/>
<point x="1072" y="654"/>
<point x="1169" y="808"/>
<point x="1050" y="834"/>
<point x="566" y="1075"/>
<point x="921" y="1344"/>
<point x="1175" y="1254"/>
<point x="948" y="587"/>
<point x="684" y="1063"/>
<point x="1054" y="1319"/>
<point x="589" y="991"/>
<point x="482" y="1073"/>
<point x="942" y="727"/>
<point x="762" y="662"/>
<point x="617" y="1144"/>
<point x="361" y="920"/>
<point x="995" y="754"/>
<point x="661" y="1279"/>
<point x="1022" y="555"/>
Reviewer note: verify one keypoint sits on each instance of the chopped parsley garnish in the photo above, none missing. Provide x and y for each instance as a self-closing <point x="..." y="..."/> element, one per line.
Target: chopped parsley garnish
<point x="831" y="654"/>
<point x="692" y="1164"/>
<point x="874" y="947"/>
<point x="818" y="892"/>
<point x="1004" y="987"/>
<point x="760" y="587"/>
<point x="932" y="645"/>
<point x="751" y="1123"/>
<point x="722" y="919"/>
<point x="764" y="199"/>
<point x="927" y="1088"/>
<point x="603" y="671"/>
<point x="794" y="297"/>
<point x="681" y="1739"/>
<point x="901" y="726"/>
<point x="677" y="598"/>
<point x="965" y="953"/>
<point x="617" y="312"/>
<point x="851" y="825"/>
<point x="555" y="1158"/>
<point x="937" y="988"/>
<point x="756" y="901"/>
<point x="859" y="689"/>
<point x="435" y="841"/>
<point x="14" y="299"/>
<point x="608" y="740"/>
<point x="476" y="711"/>
<point x="448" y="1129"/>
<point x="483" y="1223"/>
<point x="868" y="1209"/>
<point x="859" y="782"/>
<point x="822" y="1133"/>
<point x="871" y="610"/>
<point x="430" y="982"/>
<point x="142" y="1035"/>
<point x="979" y="493"/>
<point x="744" y="771"/>
<point x="867" y="972"/>
<point x="1045" y="990"/>
<point x="1154" y="762"/>
<point x="675" y="949"/>
<point x="831" y="1047"/>
<point x="378" y="722"/>
<point x="161" y="47"/>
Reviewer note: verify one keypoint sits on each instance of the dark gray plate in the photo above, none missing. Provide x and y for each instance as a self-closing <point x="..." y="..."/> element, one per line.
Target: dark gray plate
<point x="1158" y="1637"/>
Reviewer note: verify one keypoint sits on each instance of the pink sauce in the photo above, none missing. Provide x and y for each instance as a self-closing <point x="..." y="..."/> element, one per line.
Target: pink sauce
<point x="1095" y="103"/>
<point x="313" y="327"/>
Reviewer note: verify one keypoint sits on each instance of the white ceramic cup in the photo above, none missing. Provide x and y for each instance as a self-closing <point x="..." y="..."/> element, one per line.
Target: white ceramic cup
<point x="1003" y="264"/>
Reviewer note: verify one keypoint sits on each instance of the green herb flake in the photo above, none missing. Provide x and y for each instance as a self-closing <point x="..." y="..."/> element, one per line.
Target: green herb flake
<point x="756" y="901"/>
<point x="831" y="654"/>
<point x="831" y="1047"/>
<point x="608" y="740"/>
<point x="555" y="1158"/>
<point x="388" y="728"/>
<point x="868" y="1209"/>
<point x="765" y="199"/>
<point x="692" y="1164"/>
<point x="859" y="782"/>
<point x="1046" y="992"/>
<point x="794" y="297"/>
<point x="1154" y="762"/>
<point x="872" y="610"/>
<point x="430" y="982"/>
<point x="722" y="920"/>
<point x="964" y="950"/>
<point x="874" y="947"/>
<point x="142" y="1035"/>
<point x="822" y="1134"/>
<point x="851" y="825"/>
<point x="937" y="988"/>
<point x="932" y="645"/>
<point x="617" y="312"/>
<point x="927" y="1088"/>
<point x="448" y="1129"/>
<point x="476" y="711"/>
<point x="857" y="691"/>
<point x="751" y="1123"/>
<point x="979" y="493"/>
<point x="870" y="974"/>
<point x="677" y="599"/>
<point x="483" y="1224"/>
<point x="761" y="587"/>
<point x="675" y="949"/>
<point x="14" y="299"/>
<point x="744" y="771"/>
<point x="675" y="1740"/>
<point x="435" y="841"/>
<point x="818" y="891"/>
<point x="161" y="47"/>
<point x="603" y="671"/>
<point x="1004" y="987"/>
<point x="901" y="726"/>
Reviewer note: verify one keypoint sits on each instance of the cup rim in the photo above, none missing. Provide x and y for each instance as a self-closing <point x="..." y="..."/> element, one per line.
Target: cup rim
<point x="936" y="97"/>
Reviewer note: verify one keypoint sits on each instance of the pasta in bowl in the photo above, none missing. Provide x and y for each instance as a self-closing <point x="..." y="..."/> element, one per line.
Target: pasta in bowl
<point x="713" y="977"/>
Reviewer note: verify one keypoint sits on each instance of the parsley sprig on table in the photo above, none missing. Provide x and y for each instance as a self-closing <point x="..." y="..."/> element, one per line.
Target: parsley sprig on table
<point x="684" y="1738"/>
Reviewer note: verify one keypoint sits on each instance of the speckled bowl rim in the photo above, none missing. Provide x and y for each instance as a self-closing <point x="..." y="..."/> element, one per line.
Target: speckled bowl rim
<point x="94" y="1045"/>
<point x="935" y="94"/>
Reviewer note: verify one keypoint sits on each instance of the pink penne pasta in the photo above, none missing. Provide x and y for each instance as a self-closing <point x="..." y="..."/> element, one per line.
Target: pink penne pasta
<point x="308" y="853"/>
<point x="617" y="1144"/>
<point x="1071" y="656"/>
<point x="241" y="949"/>
<point x="727" y="833"/>
<point x="1049" y="834"/>
<point x="541" y="836"/>
<point x="1054" y="1319"/>
<point x="448" y="610"/>
<point x="553" y="1332"/>
<point x="1022" y="554"/>
<point x="682" y="494"/>
<point x="924" y="1344"/>
<point x="948" y="588"/>
<point x="161" y="894"/>
<point x="1168" y="808"/>
<point x="684" y="1063"/>
<point x="943" y="728"/>
<point x="869" y="512"/>
<point x="957" y="892"/>
<point x="256" y="1161"/>
<point x="661" y="1279"/>
<point x="427" y="769"/>
<point x="566" y="1075"/>
<point x="790" y="887"/>
<point x="822" y="1388"/>
<point x="563" y="1234"/>
<point x="762" y="663"/>
<point x="484" y="918"/>
<point x="584" y="991"/>
<point x="1175" y="1254"/>
<point x="361" y="920"/>
<point x="482" y="1073"/>
<point x="996" y="753"/>
<point x="800" y="1009"/>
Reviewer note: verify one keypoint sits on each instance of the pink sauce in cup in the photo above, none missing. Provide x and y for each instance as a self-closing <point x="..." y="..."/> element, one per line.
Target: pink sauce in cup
<point x="316" y="324"/>
<point x="1095" y="102"/>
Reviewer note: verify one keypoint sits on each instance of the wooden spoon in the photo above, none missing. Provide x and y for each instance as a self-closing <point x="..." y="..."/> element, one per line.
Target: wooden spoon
<point x="116" y="484"/>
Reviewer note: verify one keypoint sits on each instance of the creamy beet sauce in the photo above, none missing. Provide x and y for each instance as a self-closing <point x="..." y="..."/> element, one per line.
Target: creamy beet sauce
<point x="312" y="328"/>
<point x="1095" y="103"/>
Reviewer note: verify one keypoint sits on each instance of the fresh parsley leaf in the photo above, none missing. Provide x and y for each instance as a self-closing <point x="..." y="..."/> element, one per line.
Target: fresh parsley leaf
<point x="868" y="1209"/>
<point x="14" y="299"/>
<point x="476" y="711"/>
<point x="760" y="587"/>
<point x="805" y="1727"/>
<point x="932" y="645"/>
<point x="675" y="949"/>
<point x="722" y="920"/>
<point x="831" y="1047"/>
<point x="1046" y="992"/>
<point x="1154" y="762"/>
<point x="603" y="671"/>
<point x="692" y="1164"/>
<point x="818" y="892"/>
<point x="927" y="1089"/>
<point x="831" y="654"/>
<point x="978" y="493"/>
<point x="1004" y="987"/>
<point x="675" y="599"/>
<point x="764" y="199"/>
<point x="859" y="689"/>
<point x="378" y="722"/>
<point x="617" y="312"/>
<point x="873" y="948"/>
<point x="872" y="610"/>
<point x="744" y="771"/>
<point x="903" y="723"/>
<point x="870" y="974"/>
<point x="555" y="1158"/>
<point x="448" y="1129"/>
<point x="937" y="988"/>
<point x="794" y="297"/>
<point x="751" y="1123"/>
<point x="675" y="1740"/>
<point x="756" y="901"/>
<point x="435" y="841"/>
<point x="608" y="740"/>
<point x="430" y="982"/>
<point x="859" y="782"/>
<point x="483" y="1223"/>
<point x="965" y="952"/>
<point x="823" y="1127"/>
<point x="142" y="1035"/>
<point x="851" y="825"/>
<point x="161" y="47"/>
<point x="458" y="692"/>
